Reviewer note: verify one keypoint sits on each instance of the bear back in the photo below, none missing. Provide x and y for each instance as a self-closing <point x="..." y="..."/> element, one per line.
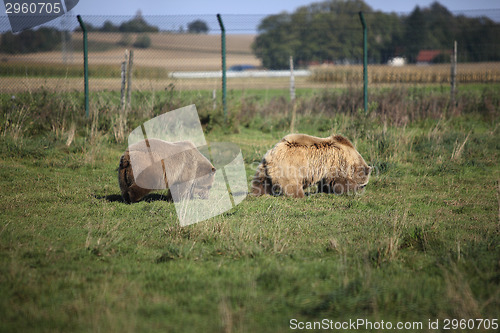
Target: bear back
<point x="305" y="140"/>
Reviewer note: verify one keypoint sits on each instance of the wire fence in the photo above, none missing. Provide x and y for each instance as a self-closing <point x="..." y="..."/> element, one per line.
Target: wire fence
<point x="185" y="52"/>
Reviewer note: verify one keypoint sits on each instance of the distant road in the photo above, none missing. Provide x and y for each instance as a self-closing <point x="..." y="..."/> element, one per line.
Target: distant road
<point x="239" y="74"/>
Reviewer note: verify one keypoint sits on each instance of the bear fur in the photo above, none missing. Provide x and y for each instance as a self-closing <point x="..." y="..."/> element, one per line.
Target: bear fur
<point x="162" y="165"/>
<point x="299" y="161"/>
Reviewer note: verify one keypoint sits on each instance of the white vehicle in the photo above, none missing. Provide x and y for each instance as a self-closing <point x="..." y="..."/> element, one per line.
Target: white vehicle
<point x="397" y="61"/>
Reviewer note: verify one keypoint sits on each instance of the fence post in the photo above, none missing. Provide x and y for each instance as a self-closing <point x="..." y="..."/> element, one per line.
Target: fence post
<point x="292" y="81"/>
<point x="85" y="64"/>
<point x="123" y="101"/>
<point x="365" y="62"/>
<point x="120" y="130"/>
<point x="129" y="78"/>
<point x="223" y="54"/>
<point x="292" y="96"/>
<point x="453" y="73"/>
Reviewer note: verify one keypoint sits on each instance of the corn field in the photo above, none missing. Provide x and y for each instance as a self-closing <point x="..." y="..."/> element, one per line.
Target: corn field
<point x="466" y="73"/>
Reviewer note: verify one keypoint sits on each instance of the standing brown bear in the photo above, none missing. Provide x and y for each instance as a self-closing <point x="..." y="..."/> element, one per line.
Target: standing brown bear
<point x="299" y="161"/>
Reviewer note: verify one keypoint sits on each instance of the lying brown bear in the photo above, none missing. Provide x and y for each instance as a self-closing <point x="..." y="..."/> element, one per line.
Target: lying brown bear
<point x="299" y="161"/>
<point x="160" y="164"/>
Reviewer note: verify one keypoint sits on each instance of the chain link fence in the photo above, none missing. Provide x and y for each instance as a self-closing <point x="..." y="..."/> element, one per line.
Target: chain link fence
<point x="185" y="52"/>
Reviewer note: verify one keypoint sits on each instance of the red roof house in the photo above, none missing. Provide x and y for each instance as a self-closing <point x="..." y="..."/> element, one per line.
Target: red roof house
<point x="427" y="56"/>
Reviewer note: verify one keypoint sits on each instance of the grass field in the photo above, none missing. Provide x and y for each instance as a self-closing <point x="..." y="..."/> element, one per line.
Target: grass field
<point x="173" y="52"/>
<point x="22" y="84"/>
<point x="422" y="243"/>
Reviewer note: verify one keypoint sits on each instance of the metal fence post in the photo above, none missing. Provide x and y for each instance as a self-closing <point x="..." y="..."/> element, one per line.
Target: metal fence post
<point x="85" y="64"/>
<point x="129" y="77"/>
<point x="123" y="100"/>
<point x="292" y="97"/>
<point x="365" y="62"/>
<point x="223" y="53"/>
<point x="454" y="74"/>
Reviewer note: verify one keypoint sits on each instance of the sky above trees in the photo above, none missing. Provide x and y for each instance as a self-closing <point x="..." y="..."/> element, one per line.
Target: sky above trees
<point x="191" y="7"/>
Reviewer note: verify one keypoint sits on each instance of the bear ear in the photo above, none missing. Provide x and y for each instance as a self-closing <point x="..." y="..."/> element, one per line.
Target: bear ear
<point x="368" y="170"/>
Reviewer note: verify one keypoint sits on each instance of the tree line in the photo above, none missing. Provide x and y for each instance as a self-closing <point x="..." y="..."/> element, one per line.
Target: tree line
<point x="43" y="39"/>
<point x="136" y="24"/>
<point x="48" y="39"/>
<point x="330" y="31"/>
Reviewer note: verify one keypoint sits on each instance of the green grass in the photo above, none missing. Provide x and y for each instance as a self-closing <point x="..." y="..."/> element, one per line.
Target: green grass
<point x="421" y="243"/>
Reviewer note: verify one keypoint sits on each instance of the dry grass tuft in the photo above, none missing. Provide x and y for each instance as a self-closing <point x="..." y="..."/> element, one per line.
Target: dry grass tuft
<point x="462" y="300"/>
<point x="459" y="148"/>
<point x="14" y="124"/>
<point x="71" y="135"/>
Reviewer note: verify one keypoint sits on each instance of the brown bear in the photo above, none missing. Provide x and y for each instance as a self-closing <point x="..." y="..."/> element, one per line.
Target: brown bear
<point x="299" y="161"/>
<point x="159" y="164"/>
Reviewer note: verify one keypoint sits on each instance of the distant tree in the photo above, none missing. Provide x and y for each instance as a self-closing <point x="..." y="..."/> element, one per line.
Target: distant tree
<point x="330" y="31"/>
<point x="441" y="25"/>
<point x="416" y="34"/>
<point x="441" y="58"/>
<point x="28" y="41"/>
<point x="274" y="45"/>
<point x="198" y="27"/>
<point x="385" y="36"/>
<point x="435" y="28"/>
<point x="137" y="24"/>
<point x="478" y="39"/>
<point x="142" y="42"/>
<point x="108" y="26"/>
<point x="319" y="32"/>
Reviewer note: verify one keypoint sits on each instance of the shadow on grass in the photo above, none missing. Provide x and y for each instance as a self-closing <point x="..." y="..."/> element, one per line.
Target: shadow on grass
<point x="148" y="198"/>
